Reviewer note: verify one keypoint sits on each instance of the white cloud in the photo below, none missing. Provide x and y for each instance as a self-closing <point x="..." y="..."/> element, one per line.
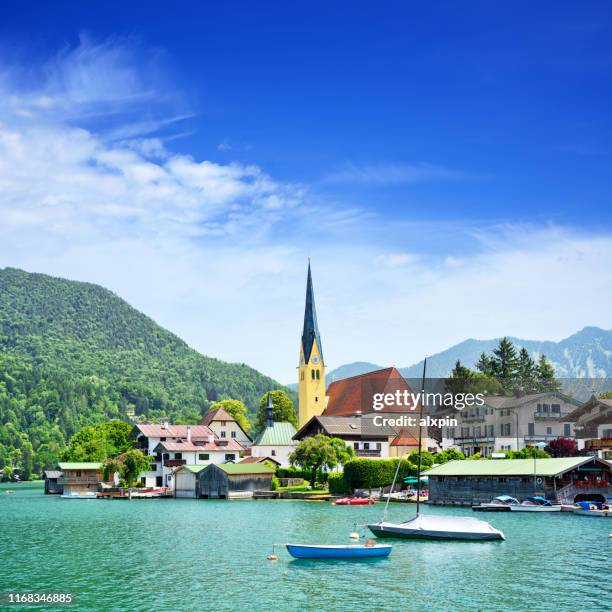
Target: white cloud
<point x="217" y="252"/>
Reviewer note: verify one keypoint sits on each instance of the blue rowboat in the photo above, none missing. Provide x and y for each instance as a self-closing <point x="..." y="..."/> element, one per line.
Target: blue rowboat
<point x="340" y="551"/>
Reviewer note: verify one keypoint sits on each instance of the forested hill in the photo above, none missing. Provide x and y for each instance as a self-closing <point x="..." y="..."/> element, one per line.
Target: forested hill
<point x="73" y="354"/>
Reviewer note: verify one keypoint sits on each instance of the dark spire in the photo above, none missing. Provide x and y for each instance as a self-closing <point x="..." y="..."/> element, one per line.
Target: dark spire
<point x="269" y="411"/>
<point x="311" y="329"/>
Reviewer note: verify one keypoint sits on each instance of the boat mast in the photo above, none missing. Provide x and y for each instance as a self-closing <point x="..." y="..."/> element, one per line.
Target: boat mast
<point x="420" y="438"/>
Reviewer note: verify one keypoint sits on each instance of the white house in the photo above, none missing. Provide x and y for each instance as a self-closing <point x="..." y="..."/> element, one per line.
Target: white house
<point x="171" y="446"/>
<point x="225" y="426"/>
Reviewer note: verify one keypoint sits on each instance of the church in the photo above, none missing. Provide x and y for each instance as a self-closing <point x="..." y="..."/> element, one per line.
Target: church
<point x="346" y="409"/>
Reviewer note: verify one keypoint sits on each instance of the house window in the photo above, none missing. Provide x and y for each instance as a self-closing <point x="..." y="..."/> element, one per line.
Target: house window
<point x="491" y="430"/>
<point x="378" y="446"/>
<point x="153" y="467"/>
<point x="78" y="474"/>
<point x="545" y="408"/>
<point x="203" y="456"/>
<point x="223" y="423"/>
<point x="539" y="408"/>
<point x="477" y="432"/>
<point x="223" y="434"/>
<point x="502" y="480"/>
<point x="567" y="430"/>
<point x="178" y="455"/>
<point x="318" y="375"/>
<point x="233" y="434"/>
<point x="465" y="432"/>
<point x="230" y="457"/>
<point x="366" y="446"/>
<point x="356" y="445"/>
<point x="273" y="453"/>
<point x="556" y="408"/>
<point x="450" y="432"/>
<point x="162" y="439"/>
<point x="548" y="431"/>
<point x="530" y="429"/>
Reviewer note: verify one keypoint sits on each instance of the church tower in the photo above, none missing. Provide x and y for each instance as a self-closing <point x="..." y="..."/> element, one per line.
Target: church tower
<point x="312" y="368"/>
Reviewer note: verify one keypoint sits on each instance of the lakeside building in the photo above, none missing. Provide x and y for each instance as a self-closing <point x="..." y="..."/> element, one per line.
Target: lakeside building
<point x="225" y="426"/>
<point x="338" y="410"/>
<point x="593" y="426"/>
<point x="564" y="480"/>
<point x="171" y="446"/>
<point x="80" y="479"/>
<point x="276" y="440"/>
<point x="224" y="481"/>
<point x="52" y="484"/>
<point x="511" y="423"/>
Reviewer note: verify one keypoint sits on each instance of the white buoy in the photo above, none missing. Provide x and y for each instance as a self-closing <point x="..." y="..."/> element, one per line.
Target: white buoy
<point x="354" y="535"/>
<point x="272" y="558"/>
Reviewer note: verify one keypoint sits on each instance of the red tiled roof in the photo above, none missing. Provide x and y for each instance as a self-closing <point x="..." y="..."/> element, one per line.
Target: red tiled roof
<point x="232" y="445"/>
<point x="404" y="438"/>
<point x="218" y="414"/>
<point x="353" y="395"/>
<point x="175" y="431"/>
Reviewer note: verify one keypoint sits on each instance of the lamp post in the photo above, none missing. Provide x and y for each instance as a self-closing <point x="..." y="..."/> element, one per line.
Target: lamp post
<point x="538" y="445"/>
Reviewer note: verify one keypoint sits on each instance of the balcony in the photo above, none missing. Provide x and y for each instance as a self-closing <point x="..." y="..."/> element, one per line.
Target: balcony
<point x="471" y="439"/>
<point x="64" y="480"/>
<point x="172" y="463"/>
<point x="472" y="418"/>
<point x="598" y="444"/>
<point x="548" y="416"/>
<point x="362" y="452"/>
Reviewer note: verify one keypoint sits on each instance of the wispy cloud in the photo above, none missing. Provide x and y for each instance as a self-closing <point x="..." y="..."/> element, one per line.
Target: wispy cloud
<point x="390" y="174"/>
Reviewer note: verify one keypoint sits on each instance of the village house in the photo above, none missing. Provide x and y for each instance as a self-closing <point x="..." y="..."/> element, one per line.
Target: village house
<point x="593" y="426"/>
<point x="223" y="481"/>
<point x="225" y="426"/>
<point x="171" y="446"/>
<point x="80" y="479"/>
<point x="564" y="480"/>
<point x="510" y="423"/>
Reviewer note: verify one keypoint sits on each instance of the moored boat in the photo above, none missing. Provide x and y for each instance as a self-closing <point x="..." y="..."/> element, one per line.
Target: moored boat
<point x="355" y="501"/>
<point x="338" y="551"/>
<point x="535" y="503"/>
<point x="501" y="503"/>
<point x="437" y="527"/>
<point x="597" y="509"/>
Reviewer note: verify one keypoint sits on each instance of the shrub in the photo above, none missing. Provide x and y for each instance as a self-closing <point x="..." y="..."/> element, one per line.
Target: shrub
<point x="450" y="454"/>
<point x="373" y="473"/>
<point x="275" y="483"/>
<point x="337" y="483"/>
<point x="292" y="472"/>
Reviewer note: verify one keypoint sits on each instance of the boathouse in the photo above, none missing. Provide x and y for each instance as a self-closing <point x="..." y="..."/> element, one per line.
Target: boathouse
<point x="223" y="481"/>
<point x="80" y="479"/>
<point x="564" y="480"/>
<point x="52" y="484"/>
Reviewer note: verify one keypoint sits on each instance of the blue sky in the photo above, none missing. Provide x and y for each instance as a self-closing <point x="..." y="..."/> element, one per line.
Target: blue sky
<point x="447" y="167"/>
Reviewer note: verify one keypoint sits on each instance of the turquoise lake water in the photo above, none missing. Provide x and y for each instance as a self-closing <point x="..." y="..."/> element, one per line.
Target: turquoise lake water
<point x="211" y="555"/>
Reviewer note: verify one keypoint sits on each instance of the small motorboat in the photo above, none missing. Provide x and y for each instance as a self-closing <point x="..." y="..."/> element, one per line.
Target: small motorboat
<point x="437" y="527"/>
<point x="355" y="501"/>
<point x="339" y="551"/>
<point x="587" y="508"/>
<point x="501" y="503"/>
<point x="535" y="503"/>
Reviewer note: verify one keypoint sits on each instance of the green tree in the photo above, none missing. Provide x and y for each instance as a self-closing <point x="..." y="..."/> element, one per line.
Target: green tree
<point x="526" y="372"/>
<point x="545" y="376"/>
<point x="459" y="379"/>
<point x="450" y="454"/>
<point x="606" y="395"/>
<point x="485" y="365"/>
<point x="237" y="409"/>
<point x="129" y="465"/>
<point x="283" y="409"/>
<point x="504" y="362"/>
<point x="320" y="452"/>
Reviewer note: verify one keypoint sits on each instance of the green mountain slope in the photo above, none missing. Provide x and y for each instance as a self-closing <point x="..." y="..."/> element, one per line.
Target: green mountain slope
<point x="73" y="354"/>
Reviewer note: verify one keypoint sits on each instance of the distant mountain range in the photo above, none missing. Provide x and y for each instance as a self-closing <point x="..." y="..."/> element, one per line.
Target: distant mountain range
<point x="585" y="354"/>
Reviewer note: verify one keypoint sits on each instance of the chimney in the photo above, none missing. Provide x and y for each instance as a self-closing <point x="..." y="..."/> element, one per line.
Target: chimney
<point x="166" y="425"/>
<point x="211" y="439"/>
<point x="188" y="434"/>
<point x="269" y="411"/>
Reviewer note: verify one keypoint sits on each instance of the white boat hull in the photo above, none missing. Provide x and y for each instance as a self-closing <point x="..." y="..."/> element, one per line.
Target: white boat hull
<point x="438" y="528"/>
<point x="599" y="513"/>
<point x="521" y="508"/>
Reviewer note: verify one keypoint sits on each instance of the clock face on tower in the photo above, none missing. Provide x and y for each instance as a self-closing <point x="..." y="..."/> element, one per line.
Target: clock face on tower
<point x="315" y="360"/>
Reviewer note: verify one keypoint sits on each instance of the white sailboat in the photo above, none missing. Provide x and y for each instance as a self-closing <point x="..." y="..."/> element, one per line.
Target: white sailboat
<point x="433" y="527"/>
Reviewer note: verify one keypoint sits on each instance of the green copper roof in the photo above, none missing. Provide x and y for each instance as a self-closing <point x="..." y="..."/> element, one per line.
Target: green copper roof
<point x="507" y="467"/>
<point x="280" y="434"/>
<point x="311" y="329"/>
<point x="193" y="468"/>
<point x="245" y="468"/>
<point x="82" y="465"/>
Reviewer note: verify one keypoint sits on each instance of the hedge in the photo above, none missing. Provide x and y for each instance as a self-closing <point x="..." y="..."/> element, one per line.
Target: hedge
<point x="337" y="483"/>
<point x="373" y="473"/>
<point x="291" y="472"/>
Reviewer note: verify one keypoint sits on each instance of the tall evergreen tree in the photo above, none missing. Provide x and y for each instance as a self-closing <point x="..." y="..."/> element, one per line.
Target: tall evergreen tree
<point x="485" y="365"/>
<point x="505" y="362"/>
<point x="546" y="376"/>
<point x="526" y="372"/>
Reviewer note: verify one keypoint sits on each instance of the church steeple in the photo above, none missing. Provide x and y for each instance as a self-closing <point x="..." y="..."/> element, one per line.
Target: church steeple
<point x="310" y="332"/>
<point x="311" y="381"/>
